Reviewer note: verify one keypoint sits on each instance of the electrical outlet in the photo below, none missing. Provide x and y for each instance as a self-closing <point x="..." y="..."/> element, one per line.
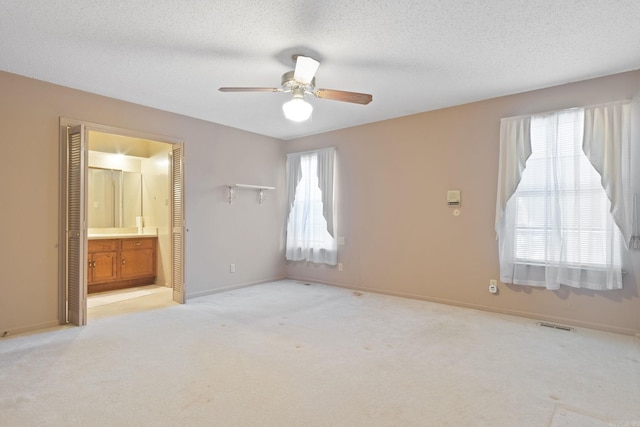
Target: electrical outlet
<point x="493" y="286"/>
<point x="339" y="266"/>
<point x="341" y="240"/>
<point x="232" y="268"/>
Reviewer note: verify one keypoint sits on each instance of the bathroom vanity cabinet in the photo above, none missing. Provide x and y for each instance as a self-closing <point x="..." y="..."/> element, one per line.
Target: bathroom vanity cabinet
<point x="117" y="263"/>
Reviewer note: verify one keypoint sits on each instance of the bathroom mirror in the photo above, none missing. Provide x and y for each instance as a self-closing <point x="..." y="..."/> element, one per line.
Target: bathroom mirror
<point x="114" y="198"/>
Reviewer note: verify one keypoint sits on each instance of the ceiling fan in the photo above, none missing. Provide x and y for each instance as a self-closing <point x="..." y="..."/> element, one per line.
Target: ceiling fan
<point x="302" y="81"/>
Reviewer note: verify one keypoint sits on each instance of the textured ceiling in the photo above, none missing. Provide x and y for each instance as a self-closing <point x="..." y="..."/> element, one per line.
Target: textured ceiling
<point x="413" y="56"/>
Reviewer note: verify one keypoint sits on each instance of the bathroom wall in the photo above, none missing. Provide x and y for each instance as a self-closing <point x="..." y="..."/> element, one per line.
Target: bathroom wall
<point x="156" y="207"/>
<point x="122" y="162"/>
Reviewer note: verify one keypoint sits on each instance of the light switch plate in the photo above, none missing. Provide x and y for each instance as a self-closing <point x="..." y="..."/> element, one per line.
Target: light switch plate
<point x="454" y="198"/>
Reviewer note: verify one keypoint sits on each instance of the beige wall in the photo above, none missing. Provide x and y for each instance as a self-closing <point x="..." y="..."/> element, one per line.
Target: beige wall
<point x="246" y="233"/>
<point x="401" y="237"/>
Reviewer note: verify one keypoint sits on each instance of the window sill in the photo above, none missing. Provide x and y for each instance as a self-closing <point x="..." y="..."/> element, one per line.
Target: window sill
<point x="584" y="268"/>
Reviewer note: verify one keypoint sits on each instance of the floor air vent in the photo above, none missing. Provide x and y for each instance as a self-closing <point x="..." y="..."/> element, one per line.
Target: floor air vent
<point x="554" y="326"/>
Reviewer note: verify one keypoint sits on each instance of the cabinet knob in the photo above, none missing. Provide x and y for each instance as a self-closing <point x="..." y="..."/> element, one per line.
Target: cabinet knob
<point x="138" y="243"/>
<point x="123" y="261"/>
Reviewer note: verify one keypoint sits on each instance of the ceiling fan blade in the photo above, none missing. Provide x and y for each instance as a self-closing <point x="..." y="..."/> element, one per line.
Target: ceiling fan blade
<point x="340" y="95"/>
<point x="250" y="89"/>
<point x="305" y="69"/>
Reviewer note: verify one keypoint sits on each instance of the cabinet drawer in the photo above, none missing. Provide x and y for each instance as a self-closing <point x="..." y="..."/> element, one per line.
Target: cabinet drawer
<point x="102" y="245"/>
<point x="128" y="244"/>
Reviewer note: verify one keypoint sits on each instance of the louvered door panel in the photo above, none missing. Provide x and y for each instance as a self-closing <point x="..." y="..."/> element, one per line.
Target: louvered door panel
<point x="177" y="223"/>
<point x="76" y="264"/>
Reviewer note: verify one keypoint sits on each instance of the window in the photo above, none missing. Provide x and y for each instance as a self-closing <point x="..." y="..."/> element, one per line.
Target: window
<point x="310" y="202"/>
<point x="553" y="217"/>
<point x="561" y="210"/>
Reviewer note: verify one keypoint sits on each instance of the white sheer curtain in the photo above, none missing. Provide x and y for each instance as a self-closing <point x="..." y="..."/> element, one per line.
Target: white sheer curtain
<point x="515" y="149"/>
<point x="607" y="139"/>
<point x="555" y="228"/>
<point x="310" y="205"/>
<point x="326" y="158"/>
<point x="293" y="177"/>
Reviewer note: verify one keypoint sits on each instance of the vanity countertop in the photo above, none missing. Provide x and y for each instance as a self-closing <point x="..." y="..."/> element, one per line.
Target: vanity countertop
<point x="118" y="236"/>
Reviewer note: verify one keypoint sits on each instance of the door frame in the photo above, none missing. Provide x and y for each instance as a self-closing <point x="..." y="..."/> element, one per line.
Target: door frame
<point x="65" y="124"/>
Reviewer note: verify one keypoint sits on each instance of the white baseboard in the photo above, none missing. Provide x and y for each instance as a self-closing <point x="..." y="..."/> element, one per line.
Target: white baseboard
<point x="518" y="313"/>
<point x="230" y="288"/>
<point x="10" y="332"/>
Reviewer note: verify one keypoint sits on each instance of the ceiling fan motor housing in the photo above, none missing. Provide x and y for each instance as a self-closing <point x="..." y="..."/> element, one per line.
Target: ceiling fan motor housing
<point x="289" y="83"/>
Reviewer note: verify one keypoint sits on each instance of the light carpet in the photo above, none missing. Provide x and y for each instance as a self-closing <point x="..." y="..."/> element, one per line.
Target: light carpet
<point x="286" y="354"/>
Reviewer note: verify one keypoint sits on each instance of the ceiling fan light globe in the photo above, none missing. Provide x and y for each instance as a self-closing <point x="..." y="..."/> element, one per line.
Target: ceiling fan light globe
<point x="297" y="110"/>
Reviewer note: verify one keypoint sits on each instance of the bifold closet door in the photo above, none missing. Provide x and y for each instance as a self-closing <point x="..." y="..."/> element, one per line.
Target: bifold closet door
<point x="177" y="222"/>
<point x="76" y="262"/>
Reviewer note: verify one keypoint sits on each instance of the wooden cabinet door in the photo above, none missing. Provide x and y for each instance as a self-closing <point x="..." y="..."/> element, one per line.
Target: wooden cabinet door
<point x="103" y="267"/>
<point x="137" y="263"/>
